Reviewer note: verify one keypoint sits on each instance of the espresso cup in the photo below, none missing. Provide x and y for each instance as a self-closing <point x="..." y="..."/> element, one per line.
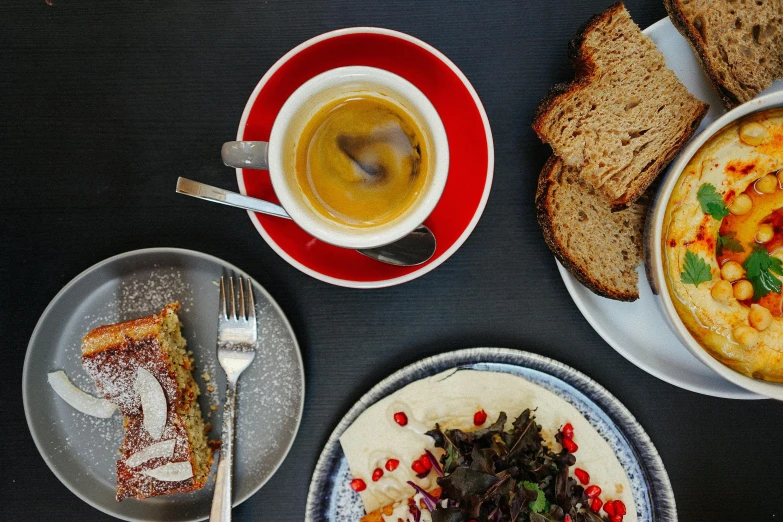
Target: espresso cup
<point x="279" y="155"/>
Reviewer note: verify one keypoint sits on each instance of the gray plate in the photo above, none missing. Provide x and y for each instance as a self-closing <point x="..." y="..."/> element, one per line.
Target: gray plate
<point x="330" y="497"/>
<point x="82" y="450"/>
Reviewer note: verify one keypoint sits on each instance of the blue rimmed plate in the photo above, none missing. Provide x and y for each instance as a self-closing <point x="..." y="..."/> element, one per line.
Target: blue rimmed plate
<point x="331" y="499"/>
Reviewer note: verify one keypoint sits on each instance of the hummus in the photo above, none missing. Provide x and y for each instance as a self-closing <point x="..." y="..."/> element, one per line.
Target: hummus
<point x="450" y="399"/>
<point x="718" y="235"/>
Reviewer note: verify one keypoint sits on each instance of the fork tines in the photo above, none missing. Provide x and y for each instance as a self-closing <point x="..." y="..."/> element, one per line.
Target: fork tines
<point x="246" y="312"/>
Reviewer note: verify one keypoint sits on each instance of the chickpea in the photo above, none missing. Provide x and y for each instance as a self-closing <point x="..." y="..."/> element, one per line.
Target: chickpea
<point x="743" y="290"/>
<point x="747" y="336"/>
<point x="732" y="271"/>
<point x="764" y="233"/>
<point x="753" y="133"/>
<point x="767" y="184"/>
<point x="759" y="317"/>
<point x="722" y="291"/>
<point x="741" y="205"/>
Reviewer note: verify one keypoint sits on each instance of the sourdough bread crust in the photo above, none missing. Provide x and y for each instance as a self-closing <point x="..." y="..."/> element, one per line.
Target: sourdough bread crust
<point x="585" y="67"/>
<point x="547" y="182"/>
<point x="697" y="43"/>
<point x="583" y="64"/>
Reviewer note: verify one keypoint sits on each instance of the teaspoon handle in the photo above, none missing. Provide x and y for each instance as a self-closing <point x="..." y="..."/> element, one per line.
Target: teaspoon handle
<point x="226" y="197"/>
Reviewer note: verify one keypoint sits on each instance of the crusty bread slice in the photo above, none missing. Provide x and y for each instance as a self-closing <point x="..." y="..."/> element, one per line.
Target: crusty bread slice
<point x="625" y="116"/>
<point x="739" y="44"/>
<point x="599" y="247"/>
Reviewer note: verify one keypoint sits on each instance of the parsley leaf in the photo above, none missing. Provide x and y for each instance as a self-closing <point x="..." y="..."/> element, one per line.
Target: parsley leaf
<point x="760" y="267"/>
<point x="711" y="202"/>
<point x="729" y="243"/>
<point x="696" y="271"/>
<point x="540" y="504"/>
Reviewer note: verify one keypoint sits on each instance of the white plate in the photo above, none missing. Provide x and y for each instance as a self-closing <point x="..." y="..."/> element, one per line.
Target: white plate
<point x="639" y="330"/>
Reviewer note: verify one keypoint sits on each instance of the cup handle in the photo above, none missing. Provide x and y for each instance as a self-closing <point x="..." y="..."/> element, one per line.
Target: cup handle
<point x="246" y="154"/>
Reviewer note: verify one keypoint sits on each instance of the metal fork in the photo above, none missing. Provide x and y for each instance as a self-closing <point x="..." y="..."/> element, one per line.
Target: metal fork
<point x="236" y="349"/>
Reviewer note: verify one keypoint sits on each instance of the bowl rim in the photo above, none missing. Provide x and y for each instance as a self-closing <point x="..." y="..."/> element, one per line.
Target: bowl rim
<point x="655" y="253"/>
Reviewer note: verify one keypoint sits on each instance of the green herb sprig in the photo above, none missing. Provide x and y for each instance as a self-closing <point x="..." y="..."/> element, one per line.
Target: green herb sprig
<point x="695" y="270"/>
<point x="760" y="268"/>
<point x="729" y="243"/>
<point x="711" y="202"/>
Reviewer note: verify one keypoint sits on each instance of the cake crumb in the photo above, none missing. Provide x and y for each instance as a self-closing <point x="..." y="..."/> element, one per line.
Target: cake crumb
<point x="206" y="377"/>
<point x="210" y="388"/>
<point x="213" y="407"/>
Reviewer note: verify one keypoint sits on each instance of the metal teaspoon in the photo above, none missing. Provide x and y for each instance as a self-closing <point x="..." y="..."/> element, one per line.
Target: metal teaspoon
<point x="414" y="249"/>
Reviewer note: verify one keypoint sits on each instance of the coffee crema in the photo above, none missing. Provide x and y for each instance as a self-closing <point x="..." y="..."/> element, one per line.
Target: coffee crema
<point x="361" y="160"/>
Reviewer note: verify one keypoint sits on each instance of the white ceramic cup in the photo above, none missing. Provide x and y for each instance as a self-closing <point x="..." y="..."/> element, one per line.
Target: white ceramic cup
<point x="279" y="154"/>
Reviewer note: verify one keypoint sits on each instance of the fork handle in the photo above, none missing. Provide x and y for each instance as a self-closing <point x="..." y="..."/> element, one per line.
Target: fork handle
<point x="221" y="498"/>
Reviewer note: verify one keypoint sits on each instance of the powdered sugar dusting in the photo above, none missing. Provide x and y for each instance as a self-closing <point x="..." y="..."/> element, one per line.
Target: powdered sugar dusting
<point x="270" y="390"/>
<point x="145" y="296"/>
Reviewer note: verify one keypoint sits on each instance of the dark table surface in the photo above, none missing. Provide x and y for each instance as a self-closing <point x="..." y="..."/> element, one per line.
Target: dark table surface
<point x="105" y="104"/>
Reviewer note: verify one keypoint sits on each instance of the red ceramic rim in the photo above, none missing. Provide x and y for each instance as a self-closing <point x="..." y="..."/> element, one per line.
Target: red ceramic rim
<point x="467" y="127"/>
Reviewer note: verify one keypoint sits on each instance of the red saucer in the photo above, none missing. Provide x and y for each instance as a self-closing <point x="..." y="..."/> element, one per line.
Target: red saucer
<point x="470" y="149"/>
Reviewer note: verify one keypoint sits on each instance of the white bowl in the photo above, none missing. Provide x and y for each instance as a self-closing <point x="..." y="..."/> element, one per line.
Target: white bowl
<point x="653" y="252"/>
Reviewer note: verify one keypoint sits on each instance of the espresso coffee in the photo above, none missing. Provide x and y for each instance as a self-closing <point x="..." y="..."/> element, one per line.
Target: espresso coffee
<point x="361" y="160"/>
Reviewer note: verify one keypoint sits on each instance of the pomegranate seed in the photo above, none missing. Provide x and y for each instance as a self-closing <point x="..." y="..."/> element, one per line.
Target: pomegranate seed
<point x="619" y="507"/>
<point x="593" y="491"/>
<point x="400" y="418"/>
<point x="567" y="518"/>
<point x="568" y="431"/>
<point x="480" y="417"/>
<point x="392" y="464"/>
<point x="570" y="445"/>
<point x="582" y="475"/>
<point x="616" y="518"/>
<point x="426" y="462"/>
<point x="418" y="467"/>
<point x="377" y="474"/>
<point x="609" y="507"/>
<point x="358" y="485"/>
<point x="595" y="504"/>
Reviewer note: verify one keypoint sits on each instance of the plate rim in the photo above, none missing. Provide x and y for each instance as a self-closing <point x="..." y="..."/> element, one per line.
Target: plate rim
<point x="124" y="255"/>
<point x="569" y="281"/>
<point x="425" y="269"/>
<point x="738" y="394"/>
<point x="660" y="485"/>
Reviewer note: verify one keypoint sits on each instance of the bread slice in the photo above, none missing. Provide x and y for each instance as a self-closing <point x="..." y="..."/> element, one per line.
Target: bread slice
<point x="739" y="44"/>
<point x="599" y="247"/>
<point x="625" y="116"/>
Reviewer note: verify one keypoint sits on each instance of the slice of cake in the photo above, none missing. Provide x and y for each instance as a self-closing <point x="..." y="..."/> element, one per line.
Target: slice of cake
<point x="143" y="367"/>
